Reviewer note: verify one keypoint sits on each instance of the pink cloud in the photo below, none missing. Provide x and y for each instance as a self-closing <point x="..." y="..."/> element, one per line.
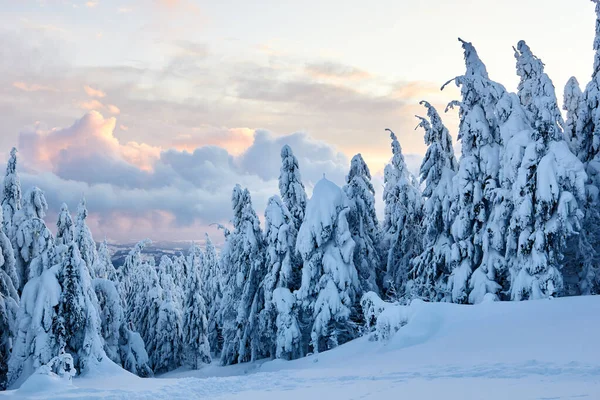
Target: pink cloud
<point x="90" y="135"/>
<point x="32" y="87"/>
<point x="113" y="109"/>
<point x="92" y="92"/>
<point x="91" y="105"/>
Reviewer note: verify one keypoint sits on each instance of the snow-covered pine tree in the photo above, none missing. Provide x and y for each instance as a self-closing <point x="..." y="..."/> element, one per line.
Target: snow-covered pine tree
<point x="291" y="187"/>
<point x="174" y="268"/>
<point x="243" y="262"/>
<point x="111" y="315"/>
<point x="104" y="267"/>
<point x="288" y="340"/>
<point x="77" y="324"/>
<point x="194" y="262"/>
<point x="11" y="195"/>
<point x="144" y="303"/>
<point x="84" y="239"/>
<point x="572" y="105"/>
<point x="364" y="226"/>
<point x="121" y="344"/>
<point x="33" y="242"/>
<point x="212" y="289"/>
<point x="280" y="259"/>
<point x="477" y="178"/>
<point x="134" y="357"/>
<point x="9" y="303"/>
<point x="583" y="254"/>
<point x="550" y="183"/>
<point x="129" y="277"/>
<point x="196" y="348"/>
<point x="330" y="284"/>
<point x="402" y="236"/>
<point x="431" y="268"/>
<point x="167" y="354"/>
<point x="588" y="123"/>
<point x="36" y="343"/>
<point x="64" y="227"/>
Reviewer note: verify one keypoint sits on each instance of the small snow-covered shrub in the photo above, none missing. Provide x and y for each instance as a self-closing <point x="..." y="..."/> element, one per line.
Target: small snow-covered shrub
<point x="383" y="319"/>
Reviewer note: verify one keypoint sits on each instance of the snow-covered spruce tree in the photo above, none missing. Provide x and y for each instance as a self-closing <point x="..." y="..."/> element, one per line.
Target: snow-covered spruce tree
<point x="280" y="259"/>
<point x="536" y="91"/>
<point x="36" y="343"/>
<point x="364" y="225"/>
<point x="288" y="339"/>
<point x="111" y="315"/>
<point x="402" y="236"/>
<point x="121" y="344"/>
<point x="476" y="181"/>
<point x="212" y="289"/>
<point x="134" y="357"/>
<point x="143" y="307"/>
<point x="330" y="284"/>
<point x="196" y="348"/>
<point x="64" y="227"/>
<point x="194" y="262"/>
<point x="431" y="268"/>
<point x="572" y="105"/>
<point x="129" y="277"/>
<point x="167" y="354"/>
<point x="583" y="253"/>
<point x="291" y="187"/>
<point x="244" y="268"/>
<point x="84" y="239"/>
<point x="588" y="123"/>
<point x="104" y="267"/>
<point x="33" y="243"/>
<point x="9" y="303"/>
<point x="11" y="195"/>
<point x="174" y="268"/>
<point x="550" y="182"/>
<point x="77" y="324"/>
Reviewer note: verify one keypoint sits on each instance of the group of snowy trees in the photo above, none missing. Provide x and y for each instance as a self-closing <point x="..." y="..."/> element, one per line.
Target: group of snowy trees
<point x="64" y="307"/>
<point x="516" y="217"/>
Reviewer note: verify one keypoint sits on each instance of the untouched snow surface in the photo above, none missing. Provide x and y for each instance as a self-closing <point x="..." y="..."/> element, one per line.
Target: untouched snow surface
<point x="547" y="349"/>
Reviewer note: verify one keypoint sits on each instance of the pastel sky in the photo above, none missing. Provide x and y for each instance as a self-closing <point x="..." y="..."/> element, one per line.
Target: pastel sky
<point x="154" y="109"/>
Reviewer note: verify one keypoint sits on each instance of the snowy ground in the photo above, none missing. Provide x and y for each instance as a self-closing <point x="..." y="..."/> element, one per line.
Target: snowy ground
<point x="530" y="350"/>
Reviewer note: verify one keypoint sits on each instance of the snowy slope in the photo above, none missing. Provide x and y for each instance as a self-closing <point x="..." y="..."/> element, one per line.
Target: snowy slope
<point x="546" y="349"/>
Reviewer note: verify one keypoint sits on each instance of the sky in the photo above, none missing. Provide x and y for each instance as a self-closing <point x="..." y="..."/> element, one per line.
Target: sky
<point x="153" y="110"/>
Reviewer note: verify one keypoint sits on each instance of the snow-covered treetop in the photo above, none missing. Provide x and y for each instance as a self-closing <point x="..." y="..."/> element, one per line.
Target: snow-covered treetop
<point x="359" y="168"/>
<point x="537" y="93"/>
<point x="291" y="187"/>
<point x="11" y="166"/>
<point x="397" y="158"/>
<point x="34" y="203"/>
<point x="572" y="94"/>
<point x="440" y="153"/>
<point x="82" y="211"/>
<point x="64" y="226"/>
<point x="436" y="132"/>
<point x="597" y="39"/>
<point x="572" y="105"/>
<point x="475" y="67"/>
<point x="321" y="215"/>
<point x="134" y="258"/>
<point x="242" y="208"/>
<point x="11" y="196"/>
